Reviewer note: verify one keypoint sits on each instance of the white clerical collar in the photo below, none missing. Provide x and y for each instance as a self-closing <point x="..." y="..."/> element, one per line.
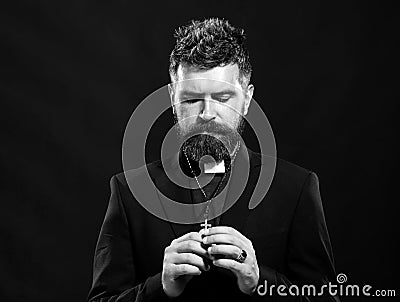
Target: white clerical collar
<point x="214" y="167"/>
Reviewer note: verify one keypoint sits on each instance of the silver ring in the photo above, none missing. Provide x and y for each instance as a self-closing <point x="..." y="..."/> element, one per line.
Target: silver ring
<point x="242" y="256"/>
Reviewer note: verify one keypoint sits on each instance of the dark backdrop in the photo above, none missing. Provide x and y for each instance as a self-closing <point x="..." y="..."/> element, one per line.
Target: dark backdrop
<point x="72" y="73"/>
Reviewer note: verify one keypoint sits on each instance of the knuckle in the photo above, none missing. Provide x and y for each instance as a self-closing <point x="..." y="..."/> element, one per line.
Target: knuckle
<point x="166" y="259"/>
<point x="213" y="249"/>
<point x="187" y="258"/>
<point x="183" y="269"/>
<point x="191" y="245"/>
<point x="167" y="270"/>
<point x="171" y="249"/>
<point x="248" y="273"/>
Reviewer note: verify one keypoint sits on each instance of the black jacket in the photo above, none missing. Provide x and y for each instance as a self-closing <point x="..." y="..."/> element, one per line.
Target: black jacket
<point x="287" y="229"/>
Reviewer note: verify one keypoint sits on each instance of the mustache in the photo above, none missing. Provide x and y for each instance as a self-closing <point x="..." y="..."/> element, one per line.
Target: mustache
<point x="209" y="127"/>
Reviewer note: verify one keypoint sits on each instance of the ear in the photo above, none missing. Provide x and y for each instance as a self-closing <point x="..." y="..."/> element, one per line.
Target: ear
<point x="248" y="97"/>
<point x="171" y="92"/>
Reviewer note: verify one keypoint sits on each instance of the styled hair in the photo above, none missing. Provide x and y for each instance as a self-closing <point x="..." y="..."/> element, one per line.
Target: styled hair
<point x="208" y="44"/>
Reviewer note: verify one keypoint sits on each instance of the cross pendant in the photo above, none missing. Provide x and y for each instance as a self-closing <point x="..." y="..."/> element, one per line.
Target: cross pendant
<point x="206" y="225"/>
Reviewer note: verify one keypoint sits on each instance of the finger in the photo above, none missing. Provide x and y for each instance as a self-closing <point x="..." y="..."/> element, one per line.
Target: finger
<point x="188" y="236"/>
<point x="222" y="230"/>
<point x="230" y="264"/>
<point x="226" y="230"/>
<point x="226" y="250"/>
<point x="190" y="246"/>
<point x="203" y="232"/>
<point x="185" y="269"/>
<point x="223" y="239"/>
<point x="188" y="258"/>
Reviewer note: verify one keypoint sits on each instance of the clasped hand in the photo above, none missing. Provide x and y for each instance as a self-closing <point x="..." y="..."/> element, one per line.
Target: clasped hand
<point x="185" y="258"/>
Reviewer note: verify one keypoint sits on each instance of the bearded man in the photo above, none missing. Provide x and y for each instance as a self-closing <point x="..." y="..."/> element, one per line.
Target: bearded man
<point x="282" y="242"/>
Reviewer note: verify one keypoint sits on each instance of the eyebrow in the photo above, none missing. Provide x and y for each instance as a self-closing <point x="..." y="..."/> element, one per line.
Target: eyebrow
<point x="191" y="94"/>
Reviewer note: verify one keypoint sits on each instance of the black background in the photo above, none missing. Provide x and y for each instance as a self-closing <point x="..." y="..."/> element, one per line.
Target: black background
<point x="72" y="73"/>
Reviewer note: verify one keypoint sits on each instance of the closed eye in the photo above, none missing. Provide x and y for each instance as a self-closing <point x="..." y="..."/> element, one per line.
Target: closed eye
<point x="223" y="99"/>
<point x="191" y="101"/>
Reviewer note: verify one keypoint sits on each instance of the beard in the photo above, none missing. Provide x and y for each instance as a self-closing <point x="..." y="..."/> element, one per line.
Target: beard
<point x="210" y="138"/>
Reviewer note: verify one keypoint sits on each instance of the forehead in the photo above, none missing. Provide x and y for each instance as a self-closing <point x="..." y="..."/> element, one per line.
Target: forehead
<point x="208" y="81"/>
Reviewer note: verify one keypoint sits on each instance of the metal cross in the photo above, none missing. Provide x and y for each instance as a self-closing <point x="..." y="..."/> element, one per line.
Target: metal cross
<point x="206" y="225"/>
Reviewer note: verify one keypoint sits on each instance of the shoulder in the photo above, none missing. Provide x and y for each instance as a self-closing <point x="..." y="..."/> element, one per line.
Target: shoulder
<point x="291" y="172"/>
<point x="285" y="171"/>
<point x="291" y="185"/>
<point x="153" y="169"/>
<point x="290" y="181"/>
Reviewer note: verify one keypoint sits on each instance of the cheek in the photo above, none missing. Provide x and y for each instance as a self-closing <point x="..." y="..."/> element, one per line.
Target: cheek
<point x="180" y="112"/>
<point x="231" y="114"/>
<point x="188" y="113"/>
<point x="185" y="117"/>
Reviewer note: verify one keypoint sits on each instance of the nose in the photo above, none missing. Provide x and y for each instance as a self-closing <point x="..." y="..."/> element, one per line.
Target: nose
<point x="207" y="113"/>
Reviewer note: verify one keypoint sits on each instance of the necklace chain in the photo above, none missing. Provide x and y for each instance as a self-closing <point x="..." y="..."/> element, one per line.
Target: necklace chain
<point x="219" y="185"/>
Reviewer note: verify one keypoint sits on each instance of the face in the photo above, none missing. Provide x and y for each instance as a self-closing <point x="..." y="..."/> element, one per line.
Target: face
<point x="209" y="103"/>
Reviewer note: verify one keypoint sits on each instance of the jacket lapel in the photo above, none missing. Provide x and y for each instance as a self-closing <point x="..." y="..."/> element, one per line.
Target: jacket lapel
<point x="236" y="215"/>
<point x="176" y="193"/>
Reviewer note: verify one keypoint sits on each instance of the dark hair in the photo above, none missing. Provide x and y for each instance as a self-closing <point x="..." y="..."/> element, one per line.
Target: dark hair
<point x="208" y="44"/>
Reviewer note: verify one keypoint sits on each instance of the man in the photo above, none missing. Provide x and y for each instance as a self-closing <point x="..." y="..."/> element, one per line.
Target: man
<point x="282" y="242"/>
